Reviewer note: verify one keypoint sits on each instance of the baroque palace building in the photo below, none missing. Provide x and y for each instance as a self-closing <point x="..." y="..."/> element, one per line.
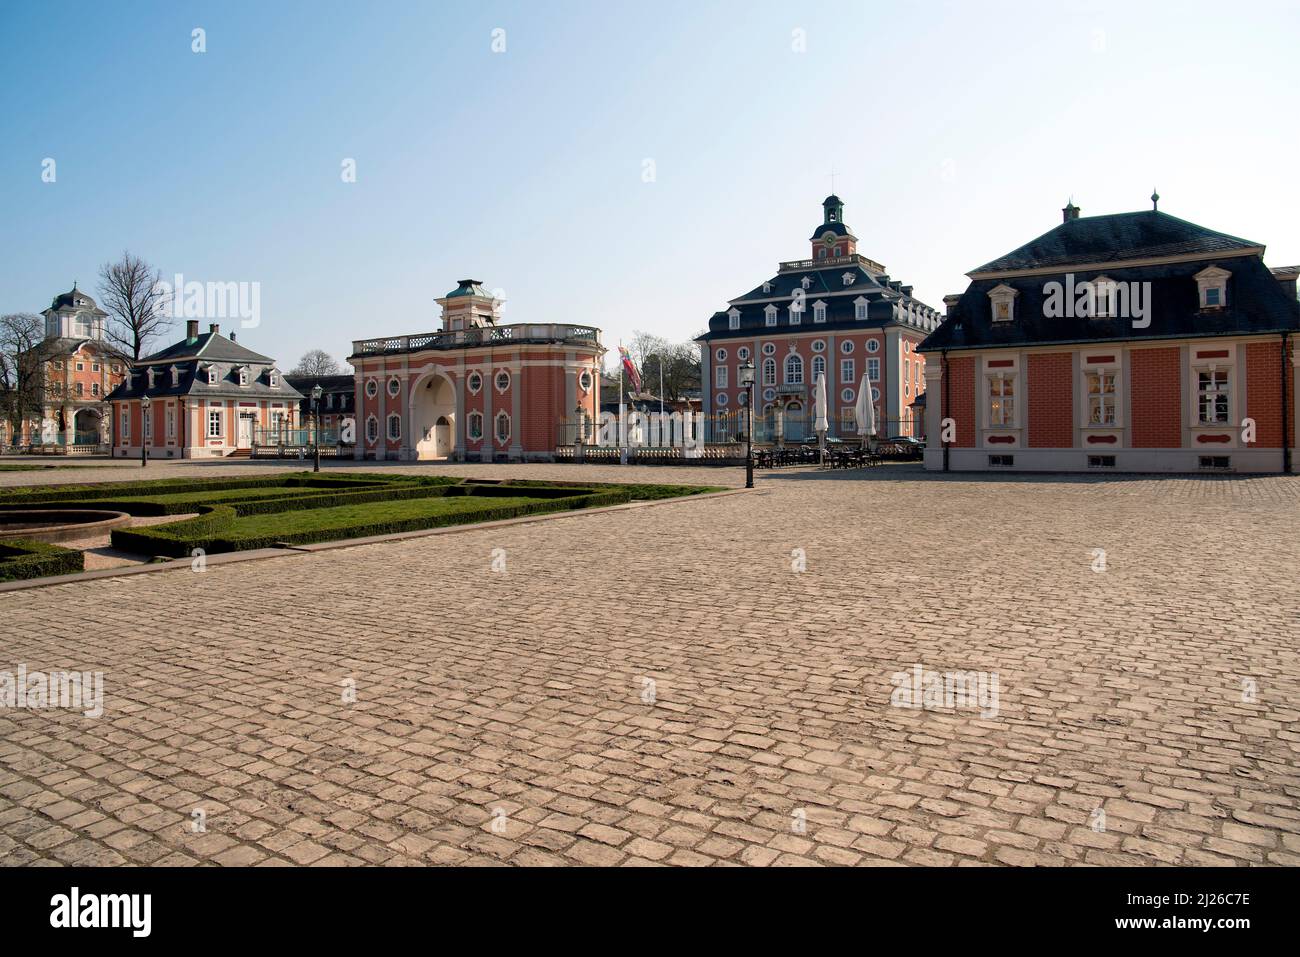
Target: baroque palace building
<point x="208" y="396"/>
<point x="1134" y="341"/>
<point x="836" y="312"/>
<point x="476" y="390"/>
<point x="76" y="370"/>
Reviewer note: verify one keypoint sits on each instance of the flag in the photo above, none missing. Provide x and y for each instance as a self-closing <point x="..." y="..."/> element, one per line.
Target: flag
<point x="632" y="375"/>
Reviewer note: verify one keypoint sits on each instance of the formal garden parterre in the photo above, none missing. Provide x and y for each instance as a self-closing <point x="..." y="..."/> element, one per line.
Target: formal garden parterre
<point x="239" y="514"/>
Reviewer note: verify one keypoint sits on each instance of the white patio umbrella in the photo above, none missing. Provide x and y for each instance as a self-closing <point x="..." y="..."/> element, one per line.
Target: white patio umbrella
<point x="780" y="426"/>
<point x="820" y="425"/>
<point x="865" y="410"/>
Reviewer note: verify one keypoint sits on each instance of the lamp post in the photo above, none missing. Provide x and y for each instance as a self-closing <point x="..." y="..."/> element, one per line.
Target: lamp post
<point x="144" y="431"/>
<point x="315" y="423"/>
<point x="745" y="376"/>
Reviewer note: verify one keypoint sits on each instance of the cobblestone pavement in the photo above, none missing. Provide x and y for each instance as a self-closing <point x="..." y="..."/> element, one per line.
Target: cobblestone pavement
<point x="662" y="685"/>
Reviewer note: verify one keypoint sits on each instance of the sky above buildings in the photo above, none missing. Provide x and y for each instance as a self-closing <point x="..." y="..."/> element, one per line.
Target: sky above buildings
<point x="628" y="165"/>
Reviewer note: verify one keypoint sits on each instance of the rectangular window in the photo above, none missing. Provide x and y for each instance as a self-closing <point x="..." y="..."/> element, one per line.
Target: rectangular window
<point x="94" y="367"/>
<point x="848" y="372"/>
<point x="148" y="423"/>
<point x="81" y="367"/>
<point x="733" y="321"/>
<point x="214" y="423"/>
<point x="873" y="370"/>
<point x="1101" y="398"/>
<point x="720" y="377"/>
<point x="1212" y="393"/>
<point x="1216" y="462"/>
<point x="1212" y="296"/>
<point x="394" y="427"/>
<point x="770" y="318"/>
<point x="126" y="424"/>
<point x="769" y="372"/>
<point x="1101" y="461"/>
<point x="171" y="422"/>
<point x="1002" y="401"/>
<point x="80" y="389"/>
<point x="1002" y="461"/>
<point x="94" y="388"/>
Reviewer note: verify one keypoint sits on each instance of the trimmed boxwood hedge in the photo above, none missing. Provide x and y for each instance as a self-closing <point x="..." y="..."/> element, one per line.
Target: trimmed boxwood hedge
<point x="213" y="531"/>
<point x="22" y="558"/>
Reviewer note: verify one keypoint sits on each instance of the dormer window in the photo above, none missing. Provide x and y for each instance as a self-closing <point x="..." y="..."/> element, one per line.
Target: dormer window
<point x="243" y="375"/>
<point x="1003" y="300"/>
<point x="733" y="319"/>
<point x="769" y="315"/>
<point x="150" y="373"/>
<point x="796" y="313"/>
<point x="212" y="375"/>
<point x="273" y="379"/>
<point x="176" y="376"/>
<point x="1213" y="286"/>
<point x="819" y="311"/>
<point x="805" y="282"/>
<point x="1103" y="298"/>
<point x="767" y="287"/>
<point x="860" y="307"/>
<point x="849" y="278"/>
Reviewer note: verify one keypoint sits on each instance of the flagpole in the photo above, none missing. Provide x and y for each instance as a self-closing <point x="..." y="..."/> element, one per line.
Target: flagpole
<point x="622" y="426"/>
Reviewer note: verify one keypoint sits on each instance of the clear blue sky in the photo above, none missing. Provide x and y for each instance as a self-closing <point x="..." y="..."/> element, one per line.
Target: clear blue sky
<point x="957" y="130"/>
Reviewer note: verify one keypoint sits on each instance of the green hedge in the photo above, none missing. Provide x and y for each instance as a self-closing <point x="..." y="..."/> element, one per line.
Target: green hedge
<point x="21" y="559"/>
<point x="212" y="531"/>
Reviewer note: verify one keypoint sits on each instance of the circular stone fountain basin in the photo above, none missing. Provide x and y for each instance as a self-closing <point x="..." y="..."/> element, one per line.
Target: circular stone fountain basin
<point x="58" y="524"/>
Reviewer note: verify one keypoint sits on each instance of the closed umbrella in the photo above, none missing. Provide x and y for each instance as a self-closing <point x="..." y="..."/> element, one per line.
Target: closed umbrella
<point x="820" y="425"/>
<point x="865" y="411"/>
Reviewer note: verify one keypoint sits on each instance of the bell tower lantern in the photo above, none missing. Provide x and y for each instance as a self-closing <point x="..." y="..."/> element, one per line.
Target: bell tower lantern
<point x="833" y="239"/>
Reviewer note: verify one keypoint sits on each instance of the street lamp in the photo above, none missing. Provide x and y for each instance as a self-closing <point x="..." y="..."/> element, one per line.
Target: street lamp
<point x="745" y="376"/>
<point x="315" y="422"/>
<point x="144" y="430"/>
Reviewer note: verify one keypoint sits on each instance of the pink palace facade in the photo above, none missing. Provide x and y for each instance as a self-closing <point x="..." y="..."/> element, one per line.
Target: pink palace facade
<point x="474" y="390"/>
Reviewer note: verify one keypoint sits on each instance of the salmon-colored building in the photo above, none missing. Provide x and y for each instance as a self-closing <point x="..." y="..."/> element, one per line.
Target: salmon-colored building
<point x="208" y="397"/>
<point x="476" y="390"/>
<point x="1134" y="342"/>
<point x="836" y="312"/>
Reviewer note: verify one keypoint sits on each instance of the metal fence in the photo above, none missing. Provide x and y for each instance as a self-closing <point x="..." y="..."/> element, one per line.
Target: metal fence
<point x="722" y="428"/>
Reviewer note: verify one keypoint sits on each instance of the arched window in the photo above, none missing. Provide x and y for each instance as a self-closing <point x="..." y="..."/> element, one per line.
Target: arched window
<point x="793" y="370"/>
<point x="818" y="366"/>
<point x="503" y="427"/>
<point x="394" y="426"/>
<point x="474" y="425"/>
<point x="769" y="372"/>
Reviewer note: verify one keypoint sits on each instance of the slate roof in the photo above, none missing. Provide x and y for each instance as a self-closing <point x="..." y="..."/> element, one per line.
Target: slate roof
<point x="208" y="345"/>
<point x="66" y="300"/>
<point x="1091" y="240"/>
<point x="191" y="359"/>
<point x="469" y="287"/>
<point x="1257" y="305"/>
<point x="827" y="285"/>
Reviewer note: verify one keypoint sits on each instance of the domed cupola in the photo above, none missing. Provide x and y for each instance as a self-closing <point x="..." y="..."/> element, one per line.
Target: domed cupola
<point x="832" y="239"/>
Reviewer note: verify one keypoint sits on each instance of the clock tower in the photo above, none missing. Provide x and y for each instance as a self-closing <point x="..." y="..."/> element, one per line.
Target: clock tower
<point x="832" y="238"/>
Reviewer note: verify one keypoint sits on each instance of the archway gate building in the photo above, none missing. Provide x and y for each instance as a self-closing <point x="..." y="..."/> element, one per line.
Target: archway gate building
<point x="475" y="390"/>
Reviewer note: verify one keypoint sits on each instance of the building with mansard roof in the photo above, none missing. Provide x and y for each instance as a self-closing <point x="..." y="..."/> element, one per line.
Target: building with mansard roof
<point x="836" y="311"/>
<point x="1133" y="342"/>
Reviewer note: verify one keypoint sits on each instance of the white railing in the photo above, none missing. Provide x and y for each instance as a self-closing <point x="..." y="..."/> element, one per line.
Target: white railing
<point x="469" y="338"/>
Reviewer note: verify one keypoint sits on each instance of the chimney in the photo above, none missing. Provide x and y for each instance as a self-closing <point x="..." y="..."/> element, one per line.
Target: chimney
<point x="232" y="336"/>
<point x="1070" y="212"/>
<point x="951" y="302"/>
<point x="214" y="328"/>
<point x="192" y="329"/>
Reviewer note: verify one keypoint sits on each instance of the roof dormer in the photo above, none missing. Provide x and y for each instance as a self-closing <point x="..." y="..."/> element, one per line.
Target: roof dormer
<point x="1003" y="301"/>
<point x="1212" y="283"/>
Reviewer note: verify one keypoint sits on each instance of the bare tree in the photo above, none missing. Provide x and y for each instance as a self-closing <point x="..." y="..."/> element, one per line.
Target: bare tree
<point x="316" y="362"/>
<point x="24" y="386"/>
<point x="679" y="361"/>
<point x="132" y="294"/>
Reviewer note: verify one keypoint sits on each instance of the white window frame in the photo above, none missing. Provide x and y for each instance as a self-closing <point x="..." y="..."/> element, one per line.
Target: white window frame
<point x="1106" y="400"/>
<point x="733" y="319"/>
<point x="496" y="427"/>
<point x="769" y="316"/>
<point x="1214" y="278"/>
<point x="999" y="296"/>
<point x="219" y="420"/>
<point x="170" y="419"/>
<point x="1202" y="394"/>
<point x="873" y="369"/>
<point x="393" y="417"/>
<point x="125" y="426"/>
<point x="720" y="377"/>
<point x="372" y="388"/>
<point x="996" y="388"/>
<point x="860" y="307"/>
<point x="769" y="371"/>
<point x="496" y="380"/>
<point x="394" y="387"/>
<point x="818" y="365"/>
<point x="873" y="346"/>
<point x="474" y="382"/>
<point x="372" y="429"/>
<point x="848" y="371"/>
<point x="819" y="311"/>
<point x="796" y="314"/>
<point x="474" y="421"/>
<point x="793" y="369"/>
